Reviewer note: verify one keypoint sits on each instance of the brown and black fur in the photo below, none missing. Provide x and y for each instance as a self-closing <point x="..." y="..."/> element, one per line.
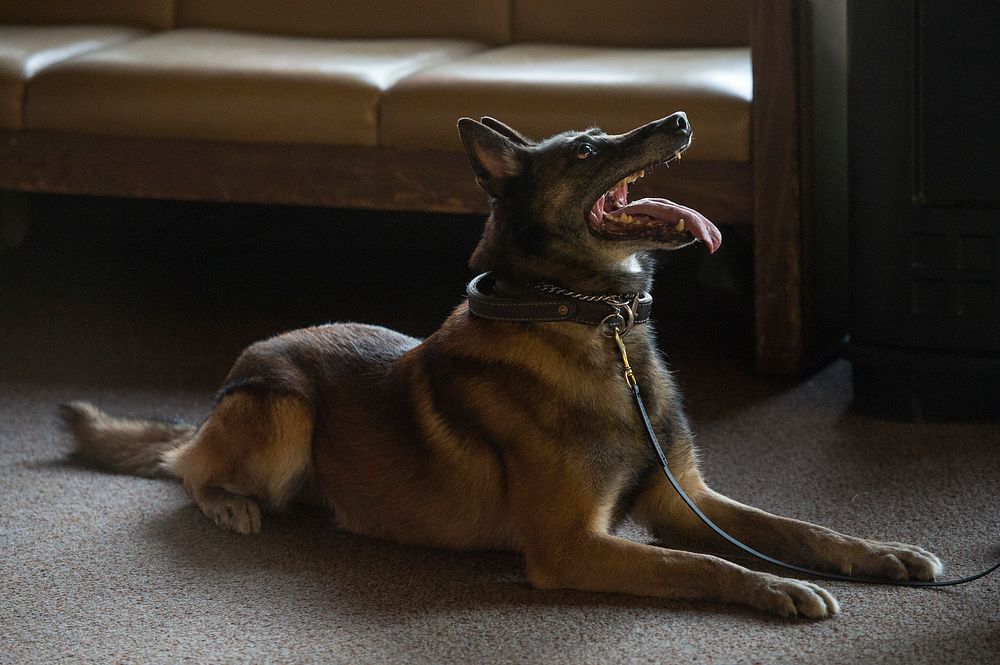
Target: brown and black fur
<point x="495" y="435"/>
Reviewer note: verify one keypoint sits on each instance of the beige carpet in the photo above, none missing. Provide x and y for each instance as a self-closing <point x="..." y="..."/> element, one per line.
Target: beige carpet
<point x="104" y="568"/>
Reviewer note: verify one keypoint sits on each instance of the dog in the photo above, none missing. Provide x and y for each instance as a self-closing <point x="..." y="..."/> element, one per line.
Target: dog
<point x="510" y="427"/>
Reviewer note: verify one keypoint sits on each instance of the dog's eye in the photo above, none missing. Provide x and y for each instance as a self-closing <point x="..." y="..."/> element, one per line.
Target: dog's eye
<point x="585" y="150"/>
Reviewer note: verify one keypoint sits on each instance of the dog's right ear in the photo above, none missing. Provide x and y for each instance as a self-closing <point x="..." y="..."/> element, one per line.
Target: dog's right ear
<point x="494" y="157"/>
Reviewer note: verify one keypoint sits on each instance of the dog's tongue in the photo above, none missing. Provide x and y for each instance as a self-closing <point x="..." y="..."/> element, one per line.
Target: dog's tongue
<point x="668" y="212"/>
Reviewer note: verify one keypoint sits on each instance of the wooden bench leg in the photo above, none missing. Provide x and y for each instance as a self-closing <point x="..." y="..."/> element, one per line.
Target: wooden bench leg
<point x="777" y="159"/>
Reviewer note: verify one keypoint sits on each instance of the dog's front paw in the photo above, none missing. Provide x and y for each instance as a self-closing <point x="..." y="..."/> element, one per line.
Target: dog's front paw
<point x="793" y="598"/>
<point x="896" y="561"/>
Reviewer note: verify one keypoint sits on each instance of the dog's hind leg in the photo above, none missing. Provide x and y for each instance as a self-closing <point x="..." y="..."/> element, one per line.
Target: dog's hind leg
<point x="252" y="450"/>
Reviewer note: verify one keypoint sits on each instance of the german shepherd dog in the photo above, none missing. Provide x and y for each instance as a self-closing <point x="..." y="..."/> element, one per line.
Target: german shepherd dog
<point x="502" y="434"/>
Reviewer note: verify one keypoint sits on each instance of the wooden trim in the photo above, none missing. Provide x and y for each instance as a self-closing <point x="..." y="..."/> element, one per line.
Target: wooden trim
<point x="310" y="175"/>
<point x="776" y="152"/>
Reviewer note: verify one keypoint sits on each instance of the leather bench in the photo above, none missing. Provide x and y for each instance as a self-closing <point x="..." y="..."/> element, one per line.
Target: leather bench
<point x="353" y="104"/>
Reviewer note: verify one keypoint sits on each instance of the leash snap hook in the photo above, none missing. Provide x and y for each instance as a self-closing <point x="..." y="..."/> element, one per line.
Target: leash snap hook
<point x="629" y="375"/>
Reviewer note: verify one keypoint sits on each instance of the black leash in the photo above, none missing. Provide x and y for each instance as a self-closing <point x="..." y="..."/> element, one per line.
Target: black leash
<point x="651" y="435"/>
<point x="617" y="314"/>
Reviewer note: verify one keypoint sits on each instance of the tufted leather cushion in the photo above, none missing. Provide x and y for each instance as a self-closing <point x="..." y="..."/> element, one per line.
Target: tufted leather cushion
<point x="636" y="23"/>
<point x="482" y="20"/>
<point x="27" y="49"/>
<point x="153" y="14"/>
<point x="544" y="89"/>
<point x="231" y="86"/>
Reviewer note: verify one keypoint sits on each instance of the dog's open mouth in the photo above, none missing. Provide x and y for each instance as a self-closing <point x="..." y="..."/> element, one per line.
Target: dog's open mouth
<point x="615" y="218"/>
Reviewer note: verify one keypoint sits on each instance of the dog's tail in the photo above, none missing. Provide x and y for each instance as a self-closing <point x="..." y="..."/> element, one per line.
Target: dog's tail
<point x="123" y="445"/>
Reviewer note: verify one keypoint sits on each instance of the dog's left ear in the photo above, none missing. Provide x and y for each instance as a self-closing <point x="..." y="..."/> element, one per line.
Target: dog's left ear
<point x="494" y="157"/>
<point x="506" y="130"/>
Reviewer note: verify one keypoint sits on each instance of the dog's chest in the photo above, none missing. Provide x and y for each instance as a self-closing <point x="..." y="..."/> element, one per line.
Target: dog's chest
<point x="609" y="434"/>
<point x="554" y="394"/>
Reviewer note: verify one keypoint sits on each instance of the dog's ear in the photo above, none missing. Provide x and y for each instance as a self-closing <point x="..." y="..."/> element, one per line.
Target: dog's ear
<point x="506" y="130"/>
<point x="494" y="157"/>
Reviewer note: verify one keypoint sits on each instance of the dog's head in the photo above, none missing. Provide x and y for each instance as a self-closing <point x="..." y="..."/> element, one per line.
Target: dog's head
<point x="560" y="209"/>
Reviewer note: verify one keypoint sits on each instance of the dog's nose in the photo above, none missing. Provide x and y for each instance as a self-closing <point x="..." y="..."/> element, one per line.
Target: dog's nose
<point x="678" y="121"/>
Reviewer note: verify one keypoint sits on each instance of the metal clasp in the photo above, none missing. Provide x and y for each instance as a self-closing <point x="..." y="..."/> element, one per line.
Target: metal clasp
<point x="629" y="375"/>
<point x="621" y="322"/>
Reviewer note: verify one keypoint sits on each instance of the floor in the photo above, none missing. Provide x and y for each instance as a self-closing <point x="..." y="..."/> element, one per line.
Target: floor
<point x="140" y="308"/>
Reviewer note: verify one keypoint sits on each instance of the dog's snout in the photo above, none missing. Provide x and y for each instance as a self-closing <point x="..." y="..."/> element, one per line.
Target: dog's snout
<point x="678" y="121"/>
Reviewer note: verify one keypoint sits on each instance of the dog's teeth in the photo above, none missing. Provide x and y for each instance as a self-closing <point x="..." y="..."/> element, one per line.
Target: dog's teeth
<point x="677" y="155"/>
<point x="623" y="218"/>
<point x="680" y="226"/>
<point x="632" y="178"/>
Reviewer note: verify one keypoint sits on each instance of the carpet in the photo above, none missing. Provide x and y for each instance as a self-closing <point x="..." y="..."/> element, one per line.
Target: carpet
<point x="97" y="567"/>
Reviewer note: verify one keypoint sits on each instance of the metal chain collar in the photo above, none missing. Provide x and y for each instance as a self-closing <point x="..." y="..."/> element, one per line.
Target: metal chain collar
<point x="616" y="324"/>
<point x="608" y="298"/>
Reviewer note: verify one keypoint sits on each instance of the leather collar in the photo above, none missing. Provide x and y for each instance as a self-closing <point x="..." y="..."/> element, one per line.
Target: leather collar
<point x="529" y="304"/>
